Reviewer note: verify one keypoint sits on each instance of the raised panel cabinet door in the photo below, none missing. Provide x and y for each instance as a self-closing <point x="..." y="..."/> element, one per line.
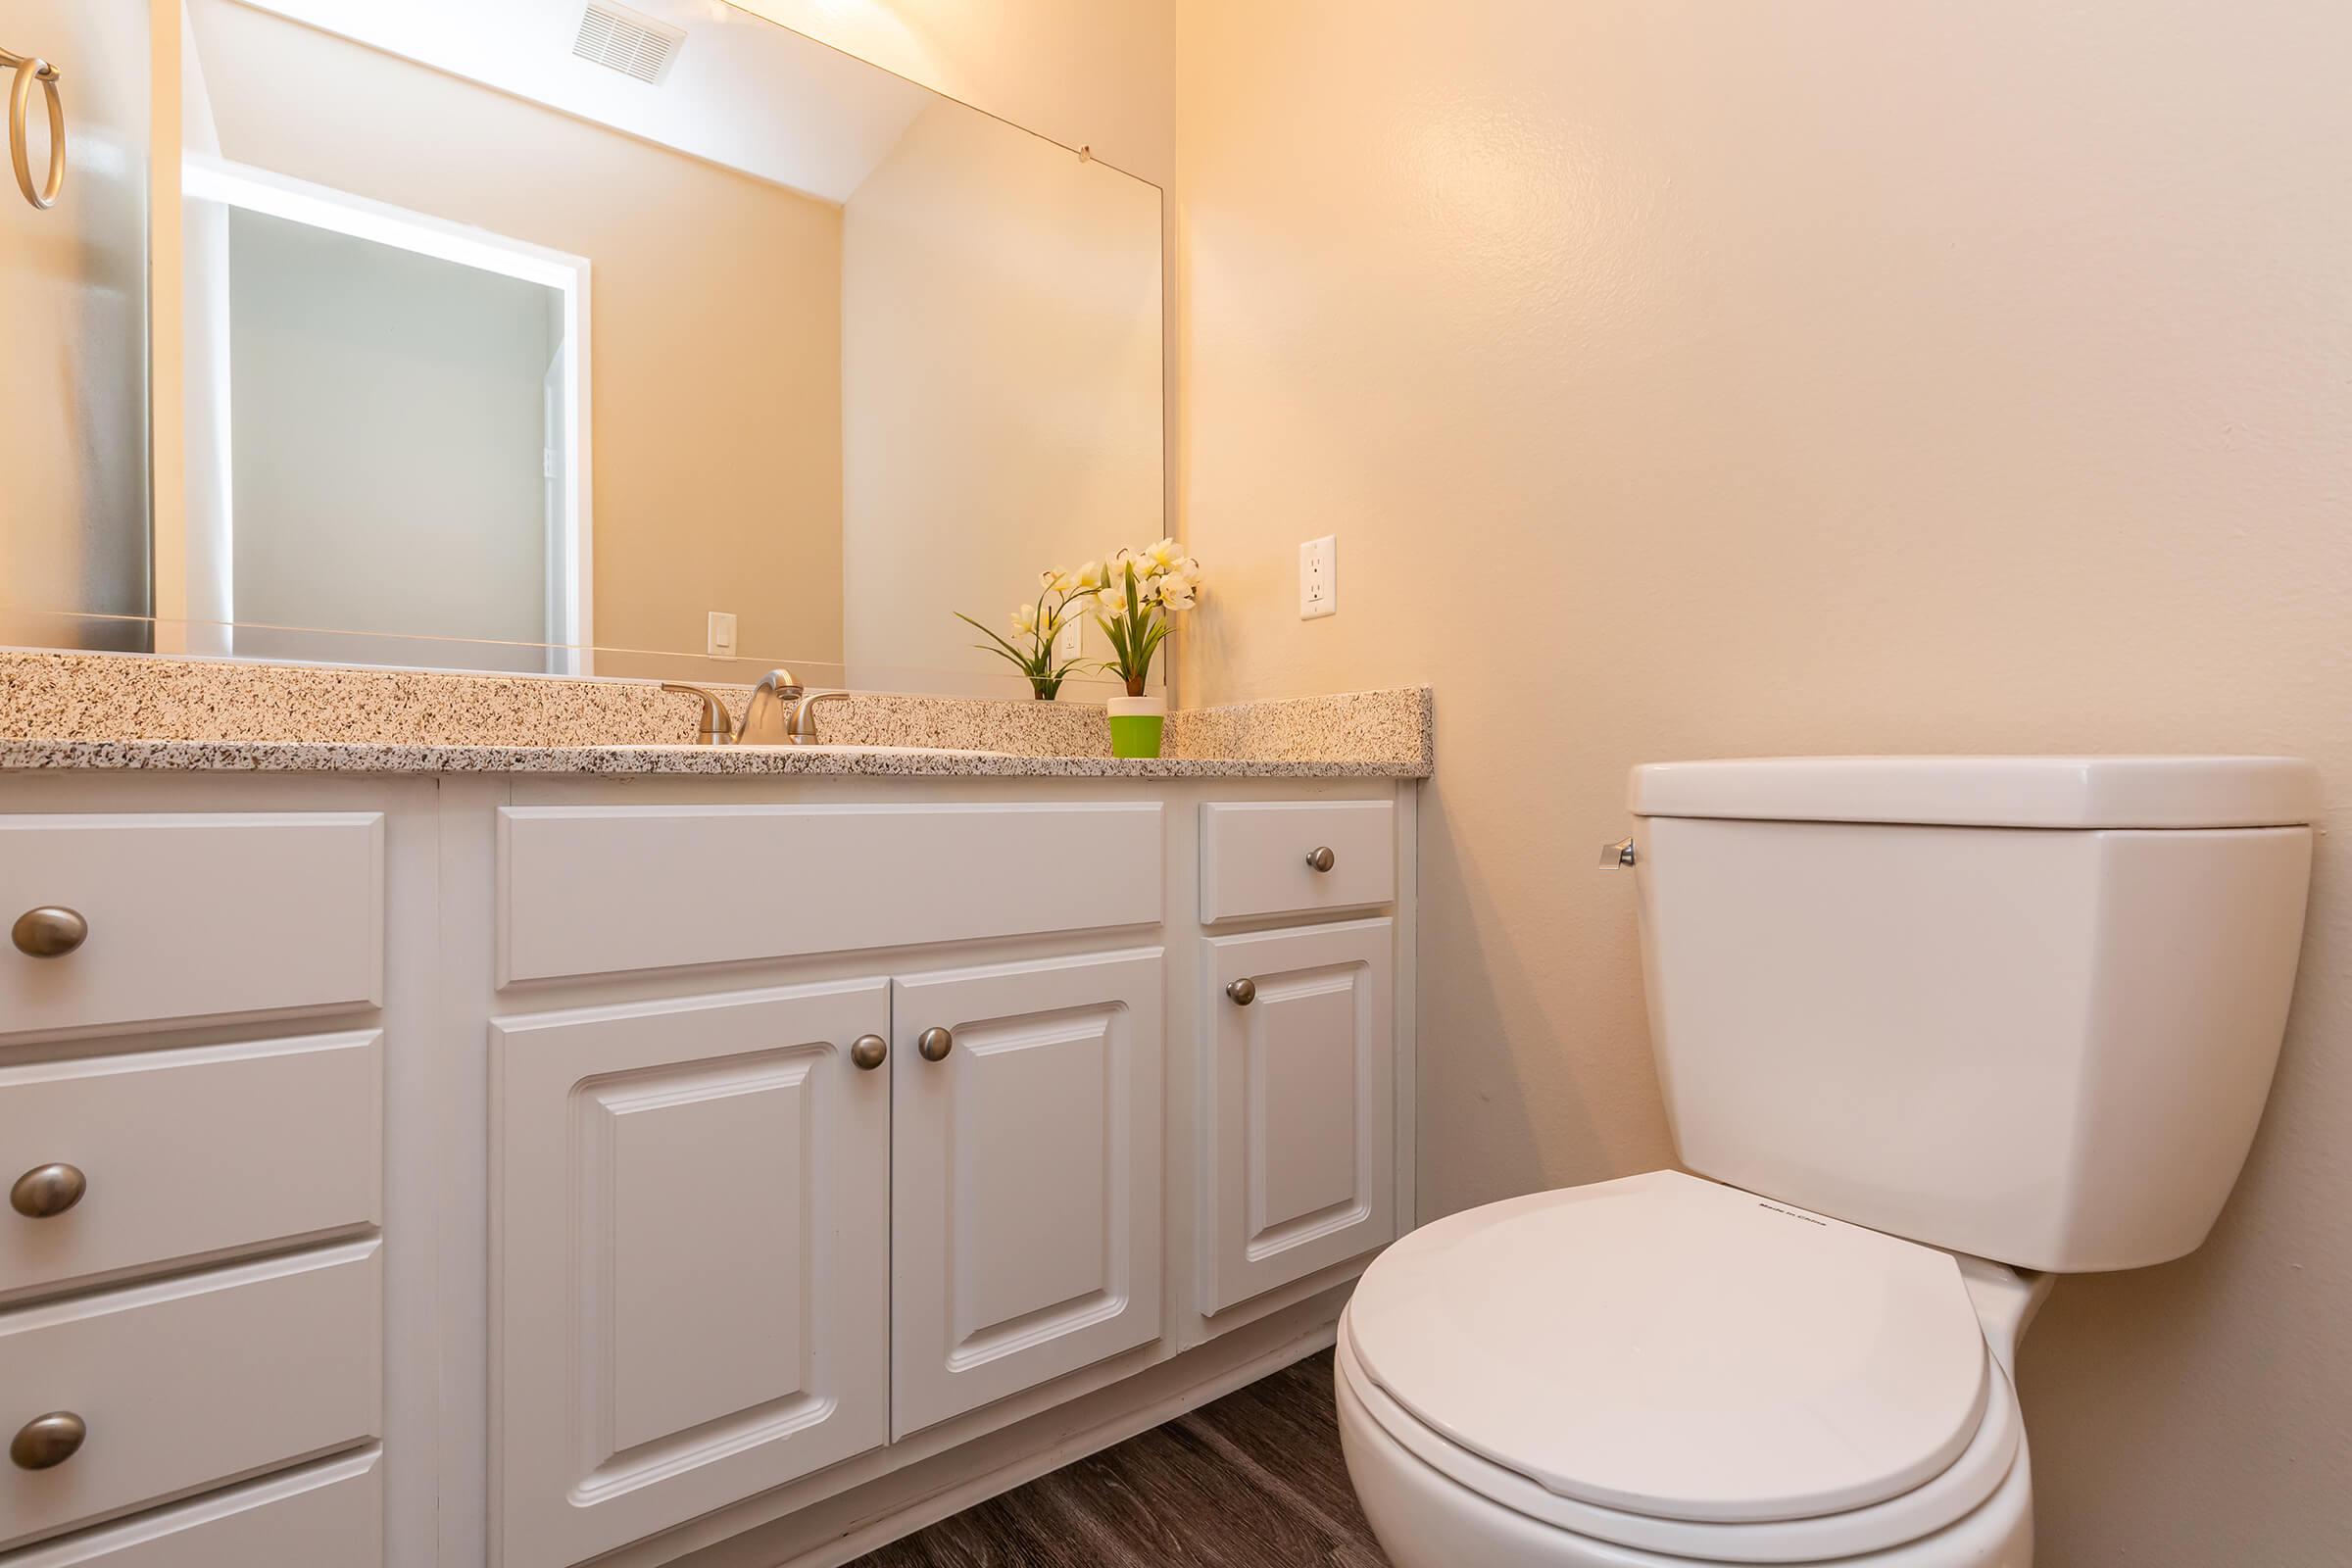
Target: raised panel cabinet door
<point x="690" y="1258"/>
<point x="1299" y="1133"/>
<point x="1025" y="1177"/>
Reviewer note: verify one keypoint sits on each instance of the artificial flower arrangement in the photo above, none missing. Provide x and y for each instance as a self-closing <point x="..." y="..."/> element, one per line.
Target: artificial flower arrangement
<point x="1134" y="598"/>
<point x="1037" y="625"/>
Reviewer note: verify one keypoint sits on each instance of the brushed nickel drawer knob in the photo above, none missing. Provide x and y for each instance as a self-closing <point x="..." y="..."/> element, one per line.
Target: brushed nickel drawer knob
<point x="869" y="1052"/>
<point x="47" y="1191"/>
<point x="49" y="932"/>
<point x="48" y="1441"/>
<point x="1321" y="859"/>
<point x="1243" y="992"/>
<point x="935" y="1044"/>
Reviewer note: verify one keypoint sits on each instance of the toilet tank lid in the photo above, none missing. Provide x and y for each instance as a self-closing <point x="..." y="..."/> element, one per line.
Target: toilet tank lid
<point x="2048" y="792"/>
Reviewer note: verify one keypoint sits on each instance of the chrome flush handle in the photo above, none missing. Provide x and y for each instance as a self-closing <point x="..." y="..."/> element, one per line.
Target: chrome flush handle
<point x="1619" y="854"/>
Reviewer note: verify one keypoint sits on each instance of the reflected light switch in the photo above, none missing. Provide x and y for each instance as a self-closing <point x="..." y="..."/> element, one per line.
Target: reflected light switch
<point x="722" y="635"/>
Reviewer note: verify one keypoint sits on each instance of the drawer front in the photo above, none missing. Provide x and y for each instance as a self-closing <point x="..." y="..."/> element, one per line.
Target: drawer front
<point x="190" y="1381"/>
<point x="1255" y="857"/>
<point x="600" y="890"/>
<point x="177" y="1154"/>
<point x="192" y="916"/>
<point x="329" y="1515"/>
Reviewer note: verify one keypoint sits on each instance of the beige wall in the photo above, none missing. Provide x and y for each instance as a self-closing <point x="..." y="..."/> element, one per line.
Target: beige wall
<point x="715" y="329"/>
<point x="1085" y="73"/>
<point x="1697" y="380"/>
<point x="1000" y="390"/>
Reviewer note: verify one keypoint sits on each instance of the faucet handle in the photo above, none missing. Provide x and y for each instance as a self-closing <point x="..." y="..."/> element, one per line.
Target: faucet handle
<point x="718" y="727"/>
<point x="803" y="716"/>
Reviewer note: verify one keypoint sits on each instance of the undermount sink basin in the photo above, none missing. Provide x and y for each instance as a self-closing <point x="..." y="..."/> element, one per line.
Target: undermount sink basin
<point x="820" y="749"/>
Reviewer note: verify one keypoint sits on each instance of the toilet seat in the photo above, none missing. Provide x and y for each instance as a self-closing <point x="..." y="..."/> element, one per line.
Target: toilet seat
<point x="1674" y="1365"/>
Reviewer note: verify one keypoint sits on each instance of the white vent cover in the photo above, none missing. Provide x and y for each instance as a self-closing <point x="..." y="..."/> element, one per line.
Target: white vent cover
<point x="627" y="41"/>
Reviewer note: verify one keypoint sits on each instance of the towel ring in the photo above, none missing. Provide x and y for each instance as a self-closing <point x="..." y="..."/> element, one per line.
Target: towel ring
<point x="30" y="70"/>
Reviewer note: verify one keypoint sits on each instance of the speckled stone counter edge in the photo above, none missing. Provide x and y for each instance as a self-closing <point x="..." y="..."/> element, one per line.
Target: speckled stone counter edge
<point x="107" y="711"/>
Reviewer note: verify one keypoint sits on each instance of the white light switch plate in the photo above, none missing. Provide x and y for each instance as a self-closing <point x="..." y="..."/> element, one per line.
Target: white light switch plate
<point x="1319" y="577"/>
<point x="1070" y="641"/>
<point x="722" y="635"/>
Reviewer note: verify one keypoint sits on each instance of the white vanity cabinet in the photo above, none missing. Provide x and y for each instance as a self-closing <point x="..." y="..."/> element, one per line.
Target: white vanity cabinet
<point x="732" y="1172"/>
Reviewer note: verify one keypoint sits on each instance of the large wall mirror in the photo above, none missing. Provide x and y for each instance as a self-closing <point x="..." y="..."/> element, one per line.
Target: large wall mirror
<point x="658" y="339"/>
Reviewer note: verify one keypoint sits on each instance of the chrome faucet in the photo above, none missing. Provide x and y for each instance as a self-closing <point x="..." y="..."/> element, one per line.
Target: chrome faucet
<point x="767" y="716"/>
<point x="781" y="712"/>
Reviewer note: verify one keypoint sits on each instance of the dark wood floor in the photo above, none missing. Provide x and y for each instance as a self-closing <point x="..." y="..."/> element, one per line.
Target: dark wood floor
<point x="1251" y="1480"/>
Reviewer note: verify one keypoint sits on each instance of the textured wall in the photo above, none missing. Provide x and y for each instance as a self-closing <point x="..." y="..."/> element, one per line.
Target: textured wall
<point x="1695" y="380"/>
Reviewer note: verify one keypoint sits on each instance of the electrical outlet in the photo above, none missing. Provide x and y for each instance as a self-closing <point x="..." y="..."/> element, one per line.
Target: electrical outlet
<point x="1070" y="642"/>
<point x="722" y="635"/>
<point x="1319" y="577"/>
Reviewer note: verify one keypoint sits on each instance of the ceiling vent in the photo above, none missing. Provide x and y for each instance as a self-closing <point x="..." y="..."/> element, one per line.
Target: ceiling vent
<point x="627" y="41"/>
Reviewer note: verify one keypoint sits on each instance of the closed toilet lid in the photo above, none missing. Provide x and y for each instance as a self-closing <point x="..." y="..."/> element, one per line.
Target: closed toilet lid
<point x="1679" y="1348"/>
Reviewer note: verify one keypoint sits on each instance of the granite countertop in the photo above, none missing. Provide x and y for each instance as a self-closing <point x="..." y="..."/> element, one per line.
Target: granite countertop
<point x="362" y="757"/>
<point x="79" y="710"/>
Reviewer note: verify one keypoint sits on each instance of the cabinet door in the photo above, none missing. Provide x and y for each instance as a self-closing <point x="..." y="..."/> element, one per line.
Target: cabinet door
<point x="1025" y="1178"/>
<point x="692" y="1259"/>
<point x="1301" y="1106"/>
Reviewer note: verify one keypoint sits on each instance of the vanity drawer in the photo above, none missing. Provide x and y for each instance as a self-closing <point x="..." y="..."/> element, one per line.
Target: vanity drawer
<point x="329" y="1515"/>
<point x="599" y="890"/>
<point x="191" y="916"/>
<point x="1254" y="856"/>
<point x="190" y="1381"/>
<point x="182" y="1153"/>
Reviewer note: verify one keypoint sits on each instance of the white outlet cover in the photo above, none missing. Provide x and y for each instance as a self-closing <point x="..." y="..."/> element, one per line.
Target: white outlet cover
<point x="1319" y="577"/>
<point x="1070" y="642"/>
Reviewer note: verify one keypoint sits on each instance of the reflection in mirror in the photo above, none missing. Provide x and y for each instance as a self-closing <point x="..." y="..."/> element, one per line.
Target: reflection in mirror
<point x="660" y="341"/>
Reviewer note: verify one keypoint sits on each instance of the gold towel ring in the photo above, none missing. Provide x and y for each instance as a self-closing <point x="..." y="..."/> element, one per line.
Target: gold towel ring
<point x="30" y="70"/>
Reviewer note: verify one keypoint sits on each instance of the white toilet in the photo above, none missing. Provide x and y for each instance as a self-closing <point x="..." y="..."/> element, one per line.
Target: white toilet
<point x="1931" y="1030"/>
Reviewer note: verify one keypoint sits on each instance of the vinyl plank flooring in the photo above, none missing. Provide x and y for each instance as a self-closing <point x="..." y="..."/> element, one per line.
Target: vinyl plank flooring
<point x="1254" y="1480"/>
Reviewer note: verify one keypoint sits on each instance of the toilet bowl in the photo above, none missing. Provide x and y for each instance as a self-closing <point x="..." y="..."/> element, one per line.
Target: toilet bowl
<point x="1662" y="1372"/>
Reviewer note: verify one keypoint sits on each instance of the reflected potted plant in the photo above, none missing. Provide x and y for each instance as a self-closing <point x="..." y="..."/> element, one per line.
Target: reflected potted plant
<point x="1030" y="648"/>
<point x="1141" y="593"/>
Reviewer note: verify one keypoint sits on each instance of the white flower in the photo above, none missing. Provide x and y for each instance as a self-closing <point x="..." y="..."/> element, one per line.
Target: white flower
<point x="1024" y="620"/>
<point x="1091" y="575"/>
<point x="1123" y="570"/>
<point x="1164" y="555"/>
<point x="1179" y="590"/>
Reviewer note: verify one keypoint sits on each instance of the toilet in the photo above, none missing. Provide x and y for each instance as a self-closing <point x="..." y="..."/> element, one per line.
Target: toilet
<point x="1931" y="1032"/>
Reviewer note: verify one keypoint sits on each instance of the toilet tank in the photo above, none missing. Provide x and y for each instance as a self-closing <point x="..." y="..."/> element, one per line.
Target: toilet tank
<point x="2021" y="1007"/>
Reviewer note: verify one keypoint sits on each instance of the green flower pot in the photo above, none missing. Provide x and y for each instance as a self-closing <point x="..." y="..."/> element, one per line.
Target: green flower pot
<point x="1137" y="724"/>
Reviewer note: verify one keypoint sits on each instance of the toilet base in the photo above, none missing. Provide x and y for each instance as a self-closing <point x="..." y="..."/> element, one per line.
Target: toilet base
<point x="1427" y="1520"/>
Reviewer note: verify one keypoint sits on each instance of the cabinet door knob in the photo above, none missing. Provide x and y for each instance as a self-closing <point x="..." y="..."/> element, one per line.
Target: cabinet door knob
<point x="869" y="1052"/>
<point x="49" y="932"/>
<point x="935" y="1044"/>
<point x="47" y="1191"/>
<point x="48" y="1441"/>
<point x="1243" y="992"/>
<point x="1321" y="859"/>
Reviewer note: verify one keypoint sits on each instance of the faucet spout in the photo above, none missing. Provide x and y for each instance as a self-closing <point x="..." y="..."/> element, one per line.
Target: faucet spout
<point x="768" y="718"/>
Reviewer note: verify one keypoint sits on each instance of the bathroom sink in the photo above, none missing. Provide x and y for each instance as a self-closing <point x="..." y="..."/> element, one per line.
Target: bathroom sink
<point x="820" y="749"/>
